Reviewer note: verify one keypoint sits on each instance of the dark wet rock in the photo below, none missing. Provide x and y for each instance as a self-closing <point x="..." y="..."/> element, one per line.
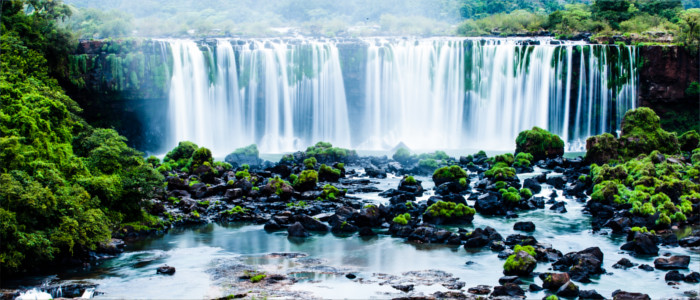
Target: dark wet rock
<point x="497" y="246"/>
<point x="624" y="263"/>
<point x="559" y="207"/>
<point x="673" y="262"/>
<point x="488" y="204"/>
<point x="524" y="265"/>
<point x="646" y="267"/>
<point x="693" y="277"/>
<point x="524" y="226"/>
<point x="556" y="181"/>
<point x="231" y="194"/>
<point x="344" y="228"/>
<point x="411" y="187"/>
<point x="519" y="239"/>
<point x="454" y="285"/>
<point x="297" y="230"/>
<point x="113" y="247"/>
<point x="429" y="234"/>
<point x="691" y="241"/>
<point x="480" y="289"/>
<point x="590" y="294"/>
<point x="369" y="216"/>
<point x="403" y="287"/>
<point x="166" y="270"/>
<point x="311" y="224"/>
<point x="674" y="275"/>
<point x="568" y="290"/>
<point x="350" y="276"/>
<point x="533" y="185"/>
<point x="449" y="295"/>
<point x="622" y="295"/>
<point x="535" y="202"/>
<point x="505" y="253"/>
<point x="481" y="237"/>
<point x="553" y="281"/>
<point x="271" y="225"/>
<point x="509" y="279"/>
<point x="508" y="289"/>
<point x="534" y="288"/>
<point x="643" y="243"/>
<point x="581" y="265"/>
<point x="366" y="231"/>
<point x="375" y="172"/>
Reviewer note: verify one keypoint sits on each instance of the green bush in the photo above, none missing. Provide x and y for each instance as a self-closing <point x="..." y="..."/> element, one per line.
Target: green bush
<point x="184" y="150"/>
<point x="523" y="160"/>
<point x="250" y="150"/>
<point x="402" y="155"/>
<point x="428" y="163"/>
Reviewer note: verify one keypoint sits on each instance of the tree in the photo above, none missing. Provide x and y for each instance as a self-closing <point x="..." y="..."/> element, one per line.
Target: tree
<point x="690" y="20"/>
<point x="612" y="11"/>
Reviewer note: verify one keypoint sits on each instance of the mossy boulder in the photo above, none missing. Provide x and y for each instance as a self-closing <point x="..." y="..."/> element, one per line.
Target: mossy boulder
<point x="184" y="150"/>
<point x="326" y="173"/>
<point x="324" y="152"/>
<point x="306" y="181"/>
<point x="200" y="156"/>
<point x="689" y="141"/>
<point x="248" y="155"/>
<point x="600" y="149"/>
<point x="449" y="174"/>
<point x="279" y="187"/>
<point x="642" y="134"/>
<point x="443" y="212"/>
<point x="540" y="143"/>
<point x="522" y="262"/>
<point x="403" y="155"/>
<point x="500" y="171"/>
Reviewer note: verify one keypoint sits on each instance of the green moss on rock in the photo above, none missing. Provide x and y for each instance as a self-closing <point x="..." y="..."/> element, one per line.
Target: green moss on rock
<point x="448" y="174"/>
<point x="540" y="143"/>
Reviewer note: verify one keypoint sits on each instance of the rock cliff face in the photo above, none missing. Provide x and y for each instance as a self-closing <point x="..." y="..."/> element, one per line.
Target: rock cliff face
<point x="664" y="78"/>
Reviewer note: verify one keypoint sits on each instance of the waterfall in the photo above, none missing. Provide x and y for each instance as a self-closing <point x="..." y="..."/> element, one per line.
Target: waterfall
<point x="427" y="93"/>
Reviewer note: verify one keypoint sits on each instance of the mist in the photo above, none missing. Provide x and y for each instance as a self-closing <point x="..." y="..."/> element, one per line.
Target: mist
<point x="329" y="18"/>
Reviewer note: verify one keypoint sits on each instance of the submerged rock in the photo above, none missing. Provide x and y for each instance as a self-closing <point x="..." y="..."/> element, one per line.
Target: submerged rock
<point x="297" y="230"/>
<point x="166" y="270"/>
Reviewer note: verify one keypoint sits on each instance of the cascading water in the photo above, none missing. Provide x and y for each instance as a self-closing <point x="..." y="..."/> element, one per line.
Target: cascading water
<point x="432" y="93"/>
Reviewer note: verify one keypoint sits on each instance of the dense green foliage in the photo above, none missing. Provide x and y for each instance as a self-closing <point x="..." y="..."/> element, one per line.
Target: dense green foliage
<point x="641" y="20"/>
<point x="449" y="210"/>
<point x="63" y="184"/>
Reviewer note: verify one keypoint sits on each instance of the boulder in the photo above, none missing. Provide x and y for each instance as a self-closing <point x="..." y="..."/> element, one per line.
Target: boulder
<point x="312" y="224"/>
<point x="488" y="204"/>
<point x="480" y="289"/>
<point x="540" y="143"/>
<point x="519" y="239"/>
<point x="297" y="230"/>
<point x="521" y="264"/>
<point x="524" y="226"/>
<point x="568" y="290"/>
<point x="673" y="262"/>
<point x="509" y="290"/>
<point x="166" y="270"/>
<point x="674" y="275"/>
<point x="623" y="263"/>
<point x="601" y="148"/>
<point x="642" y="243"/>
<point x="533" y="185"/>
<point x="590" y="294"/>
<point x="554" y="281"/>
<point x="622" y="295"/>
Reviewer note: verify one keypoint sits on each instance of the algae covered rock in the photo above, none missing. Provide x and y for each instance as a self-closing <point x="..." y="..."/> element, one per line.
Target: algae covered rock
<point x="540" y="143"/>
<point x="642" y="134"/>
<point x="601" y="148"/>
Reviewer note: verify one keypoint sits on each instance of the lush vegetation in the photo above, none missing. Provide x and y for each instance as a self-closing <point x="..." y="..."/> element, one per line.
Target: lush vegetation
<point x="64" y="185"/>
<point x="640" y="20"/>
